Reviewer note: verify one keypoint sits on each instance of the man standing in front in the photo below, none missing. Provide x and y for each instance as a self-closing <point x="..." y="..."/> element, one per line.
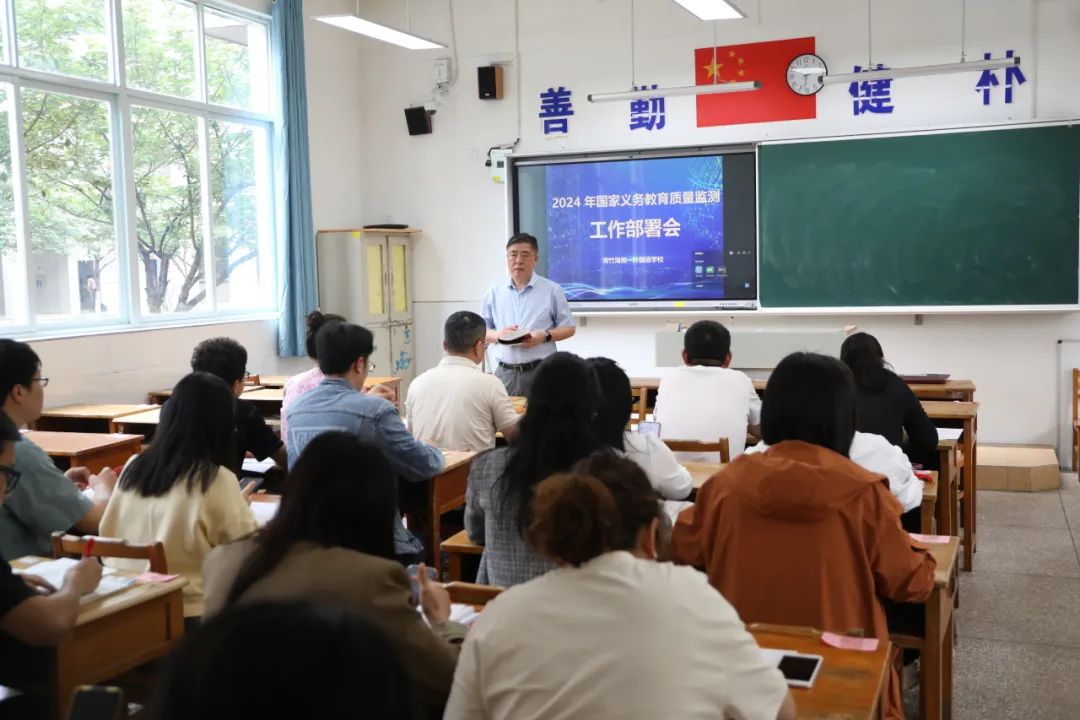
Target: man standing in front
<point x="529" y="303"/>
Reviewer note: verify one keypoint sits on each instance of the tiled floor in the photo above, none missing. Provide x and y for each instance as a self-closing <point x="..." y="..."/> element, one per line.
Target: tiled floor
<point x="1019" y="618"/>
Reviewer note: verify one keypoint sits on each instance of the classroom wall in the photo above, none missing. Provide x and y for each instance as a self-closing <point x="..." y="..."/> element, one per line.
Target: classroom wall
<point x="123" y="367"/>
<point x="438" y="182"/>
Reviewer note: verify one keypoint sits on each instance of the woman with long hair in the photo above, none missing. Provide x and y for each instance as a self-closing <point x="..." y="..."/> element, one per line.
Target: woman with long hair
<point x="299" y="384"/>
<point x="332" y="542"/>
<point x="557" y="430"/>
<point x="610" y="632"/>
<point x="180" y="491"/>
<point x="887" y="406"/>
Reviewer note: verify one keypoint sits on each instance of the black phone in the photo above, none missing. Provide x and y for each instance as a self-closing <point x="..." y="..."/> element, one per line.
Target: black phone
<point x="97" y="703"/>
<point x="800" y="670"/>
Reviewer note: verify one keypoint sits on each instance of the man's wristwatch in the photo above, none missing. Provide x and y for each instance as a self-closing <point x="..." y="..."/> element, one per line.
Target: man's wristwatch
<point x="547" y="336"/>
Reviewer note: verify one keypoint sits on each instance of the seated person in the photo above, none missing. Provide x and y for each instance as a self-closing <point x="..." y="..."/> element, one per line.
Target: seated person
<point x="457" y="405"/>
<point x="611" y="632"/>
<point x="887" y="406"/>
<point x="300" y="383"/>
<point x="46" y="500"/>
<point x="332" y="542"/>
<point x="799" y="534"/>
<point x="180" y="490"/>
<point x="881" y="457"/>
<point x="306" y="661"/>
<point x="227" y="359"/>
<point x="670" y="479"/>
<point x="344" y="352"/>
<point x="32" y="612"/>
<point x="705" y="399"/>
<point x="556" y="431"/>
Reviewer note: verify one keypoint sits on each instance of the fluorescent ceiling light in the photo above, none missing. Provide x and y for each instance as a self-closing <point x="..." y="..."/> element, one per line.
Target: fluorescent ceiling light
<point x="712" y="9"/>
<point x="713" y="89"/>
<point x="945" y="69"/>
<point x="379" y="32"/>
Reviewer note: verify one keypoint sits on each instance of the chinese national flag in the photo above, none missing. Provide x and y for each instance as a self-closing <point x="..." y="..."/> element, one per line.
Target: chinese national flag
<point x="765" y="62"/>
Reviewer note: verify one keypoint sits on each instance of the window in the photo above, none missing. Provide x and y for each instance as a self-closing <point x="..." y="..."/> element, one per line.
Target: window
<point x="136" y="167"/>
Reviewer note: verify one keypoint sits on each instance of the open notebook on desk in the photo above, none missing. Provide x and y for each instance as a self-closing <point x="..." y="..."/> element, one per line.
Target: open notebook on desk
<point x="53" y="571"/>
<point x="949" y="433"/>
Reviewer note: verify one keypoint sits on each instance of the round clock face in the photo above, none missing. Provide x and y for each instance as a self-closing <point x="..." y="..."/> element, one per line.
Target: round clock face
<point x="806" y="74"/>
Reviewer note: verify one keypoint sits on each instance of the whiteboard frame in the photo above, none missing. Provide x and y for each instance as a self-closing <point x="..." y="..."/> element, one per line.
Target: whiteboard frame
<point x="911" y="309"/>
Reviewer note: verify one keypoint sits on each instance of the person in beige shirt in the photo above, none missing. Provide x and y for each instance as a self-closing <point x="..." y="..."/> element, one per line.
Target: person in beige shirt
<point x="331" y="542"/>
<point x="180" y="491"/>
<point x="611" y="633"/>
<point x="457" y="405"/>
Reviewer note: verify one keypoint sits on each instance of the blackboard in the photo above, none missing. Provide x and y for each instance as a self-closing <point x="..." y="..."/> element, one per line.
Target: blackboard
<point x="974" y="218"/>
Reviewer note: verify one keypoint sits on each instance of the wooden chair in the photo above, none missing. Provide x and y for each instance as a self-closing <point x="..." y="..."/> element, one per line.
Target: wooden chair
<point x="72" y="546"/>
<point x="1075" y="419"/>
<point x="456" y="547"/>
<point x="699" y="446"/>
<point x="471" y="593"/>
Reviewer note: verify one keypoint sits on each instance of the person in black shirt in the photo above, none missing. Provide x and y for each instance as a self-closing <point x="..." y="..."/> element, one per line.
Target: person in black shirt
<point x="227" y="359"/>
<point x="887" y="406"/>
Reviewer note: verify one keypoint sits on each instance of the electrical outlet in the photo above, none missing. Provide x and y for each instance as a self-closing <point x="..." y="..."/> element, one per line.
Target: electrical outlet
<point x="442" y="71"/>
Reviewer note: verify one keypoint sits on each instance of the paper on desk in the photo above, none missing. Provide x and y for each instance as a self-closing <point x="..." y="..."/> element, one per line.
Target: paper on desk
<point x="53" y="571"/>
<point x="263" y="511"/>
<point x="259" y="467"/>
<point x="849" y="643"/>
<point x="949" y="433"/>
<point x="930" y="539"/>
<point x="459" y="612"/>
<point x="153" y="577"/>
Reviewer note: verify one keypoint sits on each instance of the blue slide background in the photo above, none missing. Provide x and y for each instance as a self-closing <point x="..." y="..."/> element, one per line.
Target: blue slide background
<point x="575" y="261"/>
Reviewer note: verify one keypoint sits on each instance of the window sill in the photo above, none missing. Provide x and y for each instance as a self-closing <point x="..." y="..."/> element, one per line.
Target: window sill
<point x="67" y="333"/>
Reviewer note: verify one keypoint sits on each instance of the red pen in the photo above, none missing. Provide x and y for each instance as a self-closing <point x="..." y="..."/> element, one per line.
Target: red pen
<point x="89" y="548"/>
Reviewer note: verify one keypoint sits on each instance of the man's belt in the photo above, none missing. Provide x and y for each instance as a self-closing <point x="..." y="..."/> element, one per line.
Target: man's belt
<point x="521" y="367"/>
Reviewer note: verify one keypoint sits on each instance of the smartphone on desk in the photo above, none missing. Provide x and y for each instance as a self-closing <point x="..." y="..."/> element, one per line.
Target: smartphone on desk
<point x="800" y="670"/>
<point x="97" y="703"/>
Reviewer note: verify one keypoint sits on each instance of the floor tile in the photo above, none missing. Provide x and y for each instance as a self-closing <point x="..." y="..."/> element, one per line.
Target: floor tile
<point x="1043" y="510"/>
<point x="1028" y="550"/>
<point x="1009" y="680"/>
<point x="1022" y="608"/>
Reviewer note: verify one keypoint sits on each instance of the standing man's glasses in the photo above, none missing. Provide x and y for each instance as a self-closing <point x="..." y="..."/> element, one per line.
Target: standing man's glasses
<point x="43" y="380"/>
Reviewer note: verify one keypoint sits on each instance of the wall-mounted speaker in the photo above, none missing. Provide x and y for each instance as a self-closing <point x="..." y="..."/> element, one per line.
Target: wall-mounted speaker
<point x="418" y="120"/>
<point x="489" y="80"/>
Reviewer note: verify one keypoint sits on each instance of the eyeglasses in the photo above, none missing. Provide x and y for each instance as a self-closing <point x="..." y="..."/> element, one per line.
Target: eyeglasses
<point x="520" y="255"/>
<point x="12" y="477"/>
<point x="43" y="380"/>
<point x="370" y="365"/>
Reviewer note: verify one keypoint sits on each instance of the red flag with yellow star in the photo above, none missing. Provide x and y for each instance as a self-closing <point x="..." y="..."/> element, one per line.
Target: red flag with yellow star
<point x="765" y="62"/>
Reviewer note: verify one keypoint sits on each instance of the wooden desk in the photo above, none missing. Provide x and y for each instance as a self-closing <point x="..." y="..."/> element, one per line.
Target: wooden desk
<point x="702" y="471"/>
<point x="936" y="678"/>
<point x="267" y="400"/>
<point x="456" y="546"/>
<point x="928" y="512"/>
<point x="520" y="403"/>
<point x="949" y="463"/>
<point x="92" y="450"/>
<point x="446" y="491"/>
<point x="142" y="423"/>
<point x="273" y="381"/>
<point x="849" y="684"/>
<point x="967" y="414"/>
<point x="963" y="390"/>
<point x="114" y="635"/>
<point x="85" y="418"/>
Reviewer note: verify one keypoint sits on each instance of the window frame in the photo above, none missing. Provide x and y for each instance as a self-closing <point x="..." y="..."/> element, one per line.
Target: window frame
<point x="119" y="99"/>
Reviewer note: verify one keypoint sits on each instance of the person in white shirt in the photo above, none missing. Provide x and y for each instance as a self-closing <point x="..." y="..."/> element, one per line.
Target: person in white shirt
<point x="666" y="475"/>
<point x="705" y="399"/>
<point x="878" y="455"/>
<point x="457" y="406"/>
<point x="610" y="632"/>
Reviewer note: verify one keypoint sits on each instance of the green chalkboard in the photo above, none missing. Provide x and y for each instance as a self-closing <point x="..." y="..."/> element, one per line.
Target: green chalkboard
<point x="962" y="218"/>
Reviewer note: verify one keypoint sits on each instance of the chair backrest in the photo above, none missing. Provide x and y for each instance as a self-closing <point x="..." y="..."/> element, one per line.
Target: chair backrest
<point x="73" y="546"/>
<point x="1076" y="393"/>
<point x="700" y="446"/>
<point x="472" y="593"/>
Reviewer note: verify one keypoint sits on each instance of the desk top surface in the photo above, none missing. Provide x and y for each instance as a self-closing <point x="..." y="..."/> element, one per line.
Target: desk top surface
<point x="848" y="684"/>
<point x="945" y="554"/>
<point x="146" y="417"/>
<point x="105" y="411"/>
<point x="73" y="443"/>
<point x="138" y="593"/>
<point x="947" y="410"/>
<point x="271" y="394"/>
<point x="456" y="458"/>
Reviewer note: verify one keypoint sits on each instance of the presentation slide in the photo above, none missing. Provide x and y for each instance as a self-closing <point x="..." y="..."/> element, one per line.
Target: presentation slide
<point x="657" y="231"/>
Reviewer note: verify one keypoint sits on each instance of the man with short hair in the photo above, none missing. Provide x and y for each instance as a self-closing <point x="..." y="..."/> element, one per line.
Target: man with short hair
<point x="705" y="399"/>
<point x="528" y="303"/>
<point x="457" y="405"/>
<point x="46" y="499"/>
<point x="227" y="359"/>
<point x="337" y="403"/>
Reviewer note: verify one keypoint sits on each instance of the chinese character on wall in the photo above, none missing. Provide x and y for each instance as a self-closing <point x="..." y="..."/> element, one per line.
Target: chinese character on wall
<point x="556" y="108"/>
<point x="871" y="96"/>
<point x="988" y="80"/>
<point x="647" y="113"/>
